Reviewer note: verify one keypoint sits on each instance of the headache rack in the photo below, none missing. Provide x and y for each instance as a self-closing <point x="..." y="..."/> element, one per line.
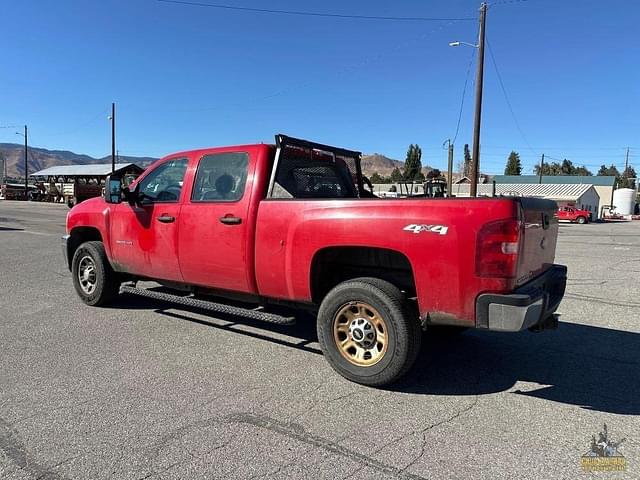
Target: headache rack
<point x="304" y="169"/>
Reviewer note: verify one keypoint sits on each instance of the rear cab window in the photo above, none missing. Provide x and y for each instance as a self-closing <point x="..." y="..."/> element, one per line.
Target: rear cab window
<point x="221" y="177"/>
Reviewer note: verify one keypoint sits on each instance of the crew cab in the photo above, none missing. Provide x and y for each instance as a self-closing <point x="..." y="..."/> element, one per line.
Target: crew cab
<point x="574" y="214"/>
<point x="293" y="223"/>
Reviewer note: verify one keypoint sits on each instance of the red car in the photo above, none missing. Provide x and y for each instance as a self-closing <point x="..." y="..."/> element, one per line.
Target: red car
<point x="292" y="223"/>
<point x="574" y="214"/>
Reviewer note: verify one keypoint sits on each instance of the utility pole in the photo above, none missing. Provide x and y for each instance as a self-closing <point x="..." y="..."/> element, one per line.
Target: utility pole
<point x="541" y="166"/>
<point x="113" y="137"/>
<point x="475" y="158"/>
<point x="26" y="167"/>
<point x="450" y="170"/>
<point x="626" y="164"/>
<point x="449" y="166"/>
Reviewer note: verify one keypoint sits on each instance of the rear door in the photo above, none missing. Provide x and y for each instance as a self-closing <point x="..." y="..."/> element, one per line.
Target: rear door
<point x="214" y="230"/>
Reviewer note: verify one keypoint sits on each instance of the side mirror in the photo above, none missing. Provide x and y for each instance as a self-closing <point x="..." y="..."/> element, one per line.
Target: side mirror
<point x="132" y="196"/>
<point x="113" y="189"/>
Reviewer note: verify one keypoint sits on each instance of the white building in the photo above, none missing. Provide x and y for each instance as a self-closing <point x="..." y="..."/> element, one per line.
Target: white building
<point x="582" y="196"/>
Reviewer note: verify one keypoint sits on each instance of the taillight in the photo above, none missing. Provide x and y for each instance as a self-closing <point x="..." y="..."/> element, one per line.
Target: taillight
<point x="497" y="248"/>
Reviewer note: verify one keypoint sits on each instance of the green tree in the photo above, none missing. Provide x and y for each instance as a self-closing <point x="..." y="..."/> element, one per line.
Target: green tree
<point x="376" y="178"/>
<point x="413" y="164"/>
<point x="513" y="167"/>
<point x="627" y="179"/>
<point x="624" y="179"/>
<point x="566" y="167"/>
<point x="466" y="166"/>
<point x="396" y="175"/>
<point x="608" y="171"/>
<point x="434" y="174"/>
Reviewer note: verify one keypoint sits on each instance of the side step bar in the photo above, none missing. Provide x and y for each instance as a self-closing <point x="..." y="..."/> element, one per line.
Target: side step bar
<point x="209" y="306"/>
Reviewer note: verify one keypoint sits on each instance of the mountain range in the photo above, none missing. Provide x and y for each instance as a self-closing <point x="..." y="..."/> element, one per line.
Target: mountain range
<point x="41" y="158"/>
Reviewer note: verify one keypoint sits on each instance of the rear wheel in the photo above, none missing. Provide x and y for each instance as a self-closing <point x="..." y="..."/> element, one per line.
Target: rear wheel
<point x="366" y="332"/>
<point x="93" y="278"/>
<point x="581" y="220"/>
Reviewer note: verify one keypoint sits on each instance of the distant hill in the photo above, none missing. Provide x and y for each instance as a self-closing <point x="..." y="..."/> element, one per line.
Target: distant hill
<point x="41" y="158"/>
<point x="383" y="165"/>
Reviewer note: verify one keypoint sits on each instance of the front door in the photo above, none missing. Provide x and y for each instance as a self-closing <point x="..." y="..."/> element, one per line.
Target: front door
<point x="144" y="237"/>
<point x="214" y="229"/>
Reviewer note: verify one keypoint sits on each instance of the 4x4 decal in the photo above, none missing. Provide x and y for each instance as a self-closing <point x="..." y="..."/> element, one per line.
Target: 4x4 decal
<point x="415" y="228"/>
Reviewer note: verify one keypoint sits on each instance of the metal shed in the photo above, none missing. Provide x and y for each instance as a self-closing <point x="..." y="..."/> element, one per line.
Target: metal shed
<point x="604" y="185"/>
<point x="74" y="183"/>
<point x="579" y="195"/>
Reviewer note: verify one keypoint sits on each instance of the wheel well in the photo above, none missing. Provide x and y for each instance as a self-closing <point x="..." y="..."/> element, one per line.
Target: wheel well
<point x="78" y="236"/>
<point x="331" y="266"/>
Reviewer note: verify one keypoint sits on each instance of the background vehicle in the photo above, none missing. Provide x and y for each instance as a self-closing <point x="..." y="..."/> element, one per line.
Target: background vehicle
<point x="291" y="223"/>
<point x="574" y="214"/>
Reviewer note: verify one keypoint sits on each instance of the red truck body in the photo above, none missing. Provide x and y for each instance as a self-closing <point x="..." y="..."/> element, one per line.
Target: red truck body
<point x="574" y="214"/>
<point x="455" y="257"/>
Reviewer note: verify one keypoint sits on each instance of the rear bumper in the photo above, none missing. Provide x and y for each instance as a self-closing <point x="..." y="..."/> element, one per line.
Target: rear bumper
<point x="530" y="305"/>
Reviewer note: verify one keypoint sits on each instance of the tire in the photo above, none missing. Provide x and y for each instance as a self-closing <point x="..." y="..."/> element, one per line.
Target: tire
<point x="93" y="278"/>
<point x="356" y="305"/>
<point x="581" y="220"/>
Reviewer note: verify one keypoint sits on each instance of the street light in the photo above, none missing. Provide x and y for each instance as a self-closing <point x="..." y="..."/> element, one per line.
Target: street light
<point x="457" y="44"/>
<point x="475" y="158"/>
<point x="26" y="165"/>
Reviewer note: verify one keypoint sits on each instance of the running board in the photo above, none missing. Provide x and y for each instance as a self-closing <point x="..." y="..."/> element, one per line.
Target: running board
<point x="209" y="306"/>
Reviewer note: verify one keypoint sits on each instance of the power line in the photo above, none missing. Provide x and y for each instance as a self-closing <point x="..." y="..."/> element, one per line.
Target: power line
<point x="506" y="97"/>
<point x="464" y="90"/>
<point x="353" y="67"/>
<point x="506" y="2"/>
<point x="313" y="14"/>
<point x="563" y="147"/>
<point x="81" y="126"/>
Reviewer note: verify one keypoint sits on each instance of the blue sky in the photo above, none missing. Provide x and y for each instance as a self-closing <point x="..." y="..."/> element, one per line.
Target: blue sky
<point x="188" y="76"/>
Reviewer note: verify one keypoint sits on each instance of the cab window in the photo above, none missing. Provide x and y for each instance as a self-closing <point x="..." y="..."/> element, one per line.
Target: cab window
<point x="164" y="183"/>
<point x="221" y="177"/>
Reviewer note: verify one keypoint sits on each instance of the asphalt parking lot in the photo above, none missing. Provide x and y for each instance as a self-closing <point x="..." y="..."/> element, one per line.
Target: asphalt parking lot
<point x="143" y="390"/>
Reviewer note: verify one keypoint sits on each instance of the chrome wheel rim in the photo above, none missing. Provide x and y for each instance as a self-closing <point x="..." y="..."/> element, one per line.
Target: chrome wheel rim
<point x="360" y="334"/>
<point x="87" y="277"/>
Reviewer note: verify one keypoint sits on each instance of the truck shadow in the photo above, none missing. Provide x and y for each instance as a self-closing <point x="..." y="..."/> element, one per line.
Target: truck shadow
<point x="595" y="368"/>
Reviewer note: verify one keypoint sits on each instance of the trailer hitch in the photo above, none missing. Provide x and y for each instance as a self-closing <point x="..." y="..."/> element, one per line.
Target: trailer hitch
<point x="549" y="323"/>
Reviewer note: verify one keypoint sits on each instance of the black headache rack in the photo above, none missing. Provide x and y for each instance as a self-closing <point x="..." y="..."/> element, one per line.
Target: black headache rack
<point x="350" y="159"/>
<point x="283" y="140"/>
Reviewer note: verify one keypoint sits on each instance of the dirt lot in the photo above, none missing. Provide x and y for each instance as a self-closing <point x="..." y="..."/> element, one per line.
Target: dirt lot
<point x="145" y="391"/>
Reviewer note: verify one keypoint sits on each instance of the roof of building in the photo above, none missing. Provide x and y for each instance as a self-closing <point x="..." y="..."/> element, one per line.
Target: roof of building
<point x="558" y="191"/>
<point x="98" y="169"/>
<point x="597" y="180"/>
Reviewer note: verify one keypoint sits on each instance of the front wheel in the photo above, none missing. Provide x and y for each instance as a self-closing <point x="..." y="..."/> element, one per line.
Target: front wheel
<point x="93" y="278"/>
<point x="581" y="220"/>
<point x="366" y="332"/>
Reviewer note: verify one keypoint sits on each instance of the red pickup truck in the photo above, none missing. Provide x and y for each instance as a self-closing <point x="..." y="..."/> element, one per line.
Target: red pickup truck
<point x="293" y="223"/>
<point x="574" y="214"/>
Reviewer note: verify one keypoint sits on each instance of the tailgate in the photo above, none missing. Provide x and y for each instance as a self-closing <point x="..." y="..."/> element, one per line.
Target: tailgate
<point x="538" y="247"/>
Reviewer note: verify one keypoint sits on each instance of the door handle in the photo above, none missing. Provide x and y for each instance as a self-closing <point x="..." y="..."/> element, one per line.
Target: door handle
<point x="229" y="220"/>
<point x="164" y="218"/>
